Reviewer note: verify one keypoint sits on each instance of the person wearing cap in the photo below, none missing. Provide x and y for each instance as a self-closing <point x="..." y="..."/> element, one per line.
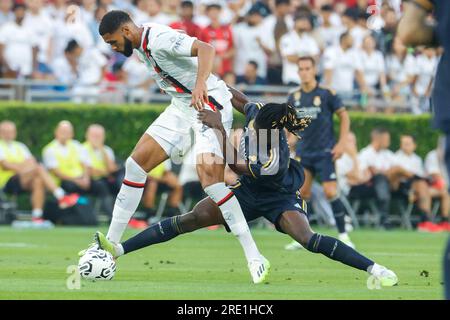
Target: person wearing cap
<point x="249" y="39"/>
<point x="220" y="36"/>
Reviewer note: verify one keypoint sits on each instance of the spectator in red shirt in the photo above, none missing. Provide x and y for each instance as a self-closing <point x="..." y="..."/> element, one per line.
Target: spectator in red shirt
<point x="220" y="37"/>
<point x="187" y="15"/>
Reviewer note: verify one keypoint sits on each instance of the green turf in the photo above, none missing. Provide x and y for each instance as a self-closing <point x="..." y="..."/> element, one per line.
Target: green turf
<point x="210" y="265"/>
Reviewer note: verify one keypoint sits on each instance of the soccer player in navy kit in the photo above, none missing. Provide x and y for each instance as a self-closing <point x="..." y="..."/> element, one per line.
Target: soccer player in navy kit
<point x="414" y="30"/>
<point x="318" y="150"/>
<point x="268" y="187"/>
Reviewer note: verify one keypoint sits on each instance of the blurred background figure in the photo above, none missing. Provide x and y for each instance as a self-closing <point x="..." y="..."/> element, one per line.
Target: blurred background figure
<point x="20" y="172"/>
<point x="220" y="36"/>
<point x="18" y="46"/>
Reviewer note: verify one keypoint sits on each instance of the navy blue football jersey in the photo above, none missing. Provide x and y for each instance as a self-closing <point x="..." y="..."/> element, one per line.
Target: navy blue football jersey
<point x="441" y="92"/>
<point x="320" y="104"/>
<point x="270" y="165"/>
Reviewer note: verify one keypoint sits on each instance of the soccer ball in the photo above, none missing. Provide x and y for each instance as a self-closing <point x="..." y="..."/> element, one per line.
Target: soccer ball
<point x="97" y="264"/>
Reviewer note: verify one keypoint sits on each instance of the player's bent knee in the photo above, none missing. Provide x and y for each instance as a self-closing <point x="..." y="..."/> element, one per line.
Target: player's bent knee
<point x="134" y="172"/>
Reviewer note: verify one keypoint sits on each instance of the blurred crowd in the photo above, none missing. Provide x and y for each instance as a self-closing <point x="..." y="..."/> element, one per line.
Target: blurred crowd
<point x="70" y="172"/>
<point x="256" y="42"/>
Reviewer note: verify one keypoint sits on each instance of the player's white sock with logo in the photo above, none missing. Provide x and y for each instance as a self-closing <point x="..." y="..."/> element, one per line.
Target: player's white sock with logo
<point x="127" y="200"/>
<point x="232" y="213"/>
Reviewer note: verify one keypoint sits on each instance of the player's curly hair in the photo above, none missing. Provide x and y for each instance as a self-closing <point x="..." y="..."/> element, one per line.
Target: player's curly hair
<point x="112" y="21"/>
<point x="281" y="115"/>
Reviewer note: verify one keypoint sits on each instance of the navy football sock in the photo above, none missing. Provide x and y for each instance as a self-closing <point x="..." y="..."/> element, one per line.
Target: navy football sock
<point x="162" y="231"/>
<point x="337" y="250"/>
<point x="339" y="214"/>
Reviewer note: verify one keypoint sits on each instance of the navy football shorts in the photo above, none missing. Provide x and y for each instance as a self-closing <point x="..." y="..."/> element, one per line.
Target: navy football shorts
<point x="320" y="165"/>
<point x="268" y="205"/>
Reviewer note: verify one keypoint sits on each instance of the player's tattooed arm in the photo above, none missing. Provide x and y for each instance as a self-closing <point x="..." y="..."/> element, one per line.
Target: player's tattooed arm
<point x="231" y="155"/>
<point x="239" y="99"/>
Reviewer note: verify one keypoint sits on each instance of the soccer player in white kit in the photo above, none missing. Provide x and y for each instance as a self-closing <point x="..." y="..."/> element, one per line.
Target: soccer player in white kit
<point x="181" y="65"/>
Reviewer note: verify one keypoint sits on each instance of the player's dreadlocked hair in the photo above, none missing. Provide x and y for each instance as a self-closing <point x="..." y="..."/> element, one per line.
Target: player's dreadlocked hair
<point x="278" y="116"/>
<point x="112" y="21"/>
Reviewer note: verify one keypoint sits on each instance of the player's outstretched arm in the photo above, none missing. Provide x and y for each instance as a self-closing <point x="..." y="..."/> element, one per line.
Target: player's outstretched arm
<point x="239" y="99"/>
<point x="231" y="155"/>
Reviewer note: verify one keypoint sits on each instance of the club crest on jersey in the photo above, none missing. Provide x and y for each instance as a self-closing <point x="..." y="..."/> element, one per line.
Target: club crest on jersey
<point x="317" y="101"/>
<point x="297" y="95"/>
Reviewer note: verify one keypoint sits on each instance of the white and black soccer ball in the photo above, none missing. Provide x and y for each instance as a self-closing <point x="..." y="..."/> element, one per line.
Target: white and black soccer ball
<point x="97" y="264"/>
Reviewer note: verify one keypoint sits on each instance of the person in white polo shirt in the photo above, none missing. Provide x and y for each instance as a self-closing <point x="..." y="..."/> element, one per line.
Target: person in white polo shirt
<point x="408" y="176"/>
<point x="295" y="44"/>
<point x="373" y="67"/>
<point x="342" y="66"/>
<point x="425" y="69"/>
<point x="400" y="66"/>
<point x="378" y="160"/>
<point x="18" y="46"/>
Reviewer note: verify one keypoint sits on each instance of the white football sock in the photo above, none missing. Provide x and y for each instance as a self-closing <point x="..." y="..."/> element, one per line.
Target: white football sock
<point x="127" y="200"/>
<point x="58" y="193"/>
<point x="36" y="213"/>
<point x="232" y="213"/>
<point x="119" y="250"/>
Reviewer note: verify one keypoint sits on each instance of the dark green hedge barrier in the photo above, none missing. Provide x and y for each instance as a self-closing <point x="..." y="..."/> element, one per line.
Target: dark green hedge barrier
<point x="126" y="123"/>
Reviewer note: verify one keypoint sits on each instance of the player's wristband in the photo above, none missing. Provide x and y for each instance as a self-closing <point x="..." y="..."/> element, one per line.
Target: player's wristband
<point x="426" y="5"/>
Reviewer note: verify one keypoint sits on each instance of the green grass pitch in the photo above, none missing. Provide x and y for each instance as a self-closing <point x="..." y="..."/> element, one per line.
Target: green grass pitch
<point x="210" y="265"/>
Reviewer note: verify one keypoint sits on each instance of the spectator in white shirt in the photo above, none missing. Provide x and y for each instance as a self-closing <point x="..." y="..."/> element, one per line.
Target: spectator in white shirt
<point x="435" y="170"/>
<point x="247" y="37"/>
<point x="350" y="21"/>
<point x="378" y="160"/>
<point x="424" y="72"/>
<point x="43" y="27"/>
<point x="71" y="27"/>
<point x="276" y="25"/>
<point x="138" y="78"/>
<point x="87" y="10"/>
<point x="329" y="32"/>
<point x="81" y="68"/>
<point x="18" y="46"/>
<point x="155" y="13"/>
<point x="140" y="12"/>
<point x="343" y="66"/>
<point x="373" y="67"/>
<point x="350" y="176"/>
<point x="6" y="14"/>
<point x="109" y="4"/>
<point x="57" y="10"/>
<point x="296" y="44"/>
<point x="66" y="67"/>
<point x="400" y="66"/>
<point x="408" y="176"/>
